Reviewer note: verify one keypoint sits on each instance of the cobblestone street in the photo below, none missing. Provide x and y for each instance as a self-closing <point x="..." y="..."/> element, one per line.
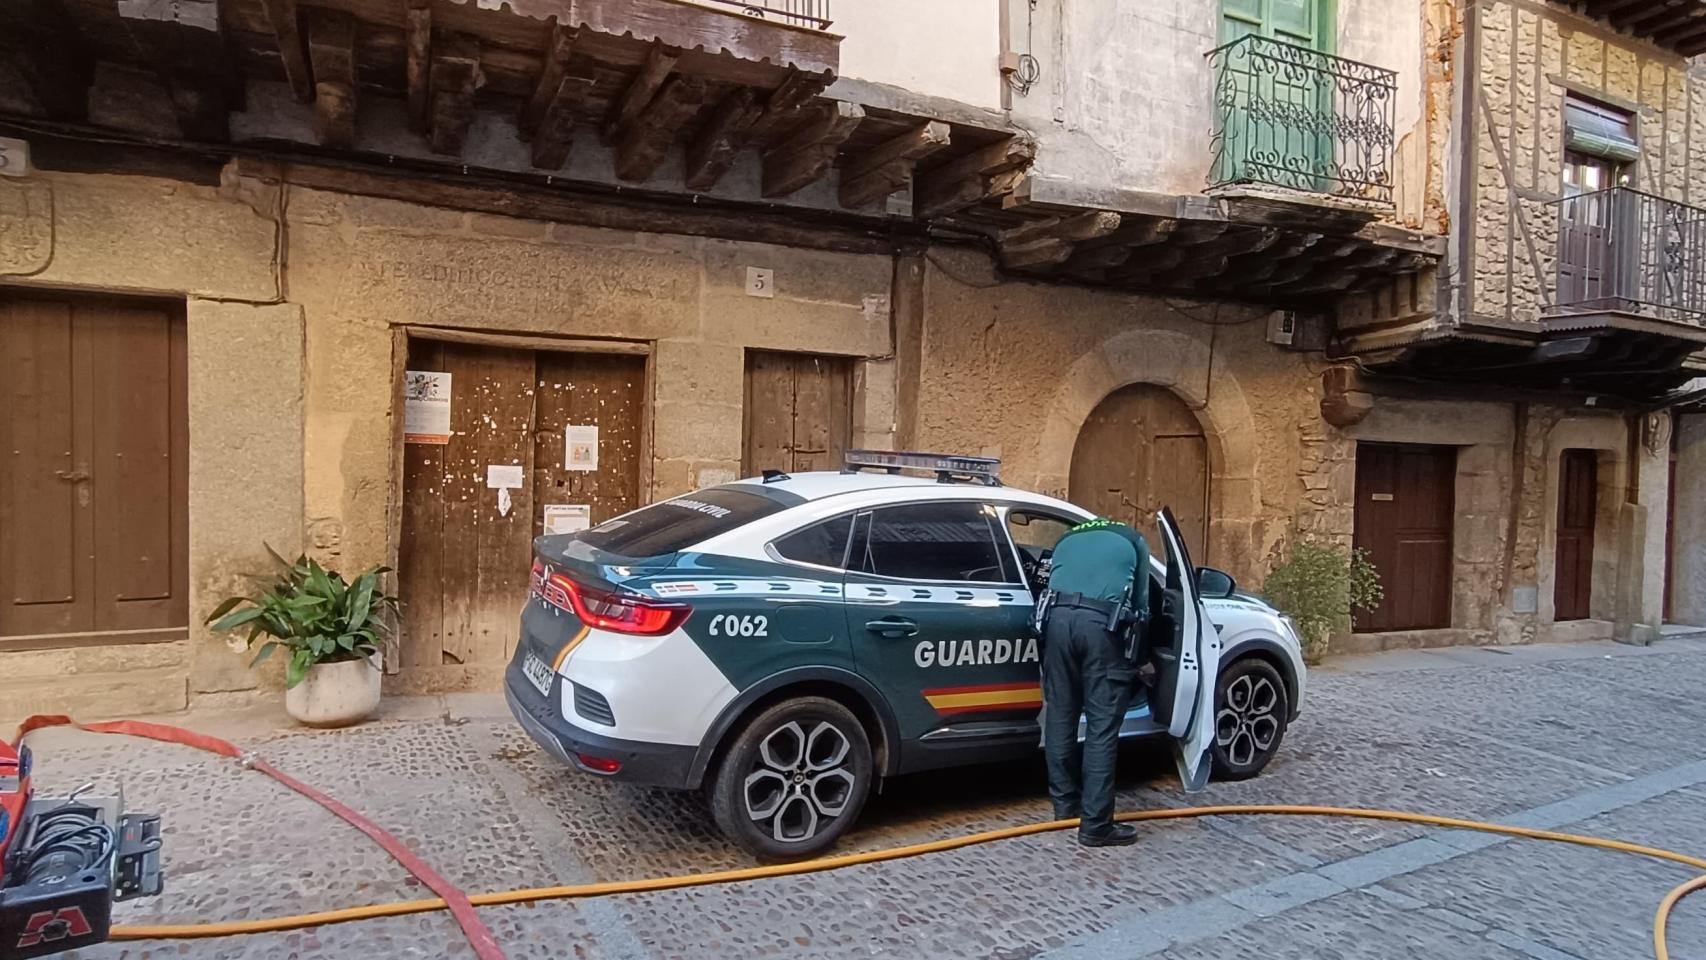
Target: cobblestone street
<point x="1591" y="738"/>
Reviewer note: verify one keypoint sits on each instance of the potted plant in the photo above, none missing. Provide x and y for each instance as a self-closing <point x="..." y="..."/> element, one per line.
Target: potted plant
<point x="330" y="631"/>
<point x="1319" y="585"/>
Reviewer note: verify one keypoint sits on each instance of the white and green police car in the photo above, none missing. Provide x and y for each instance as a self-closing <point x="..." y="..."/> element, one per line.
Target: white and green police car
<point x="785" y="641"/>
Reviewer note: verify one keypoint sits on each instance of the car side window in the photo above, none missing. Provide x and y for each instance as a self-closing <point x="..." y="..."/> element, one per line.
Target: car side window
<point x="823" y="544"/>
<point x="1036" y="533"/>
<point x="955" y="541"/>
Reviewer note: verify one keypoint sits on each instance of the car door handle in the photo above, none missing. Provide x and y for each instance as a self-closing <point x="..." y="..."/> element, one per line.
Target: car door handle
<point x="892" y="628"/>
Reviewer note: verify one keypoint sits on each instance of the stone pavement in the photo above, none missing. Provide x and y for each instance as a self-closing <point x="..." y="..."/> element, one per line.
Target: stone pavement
<point x="1590" y="738"/>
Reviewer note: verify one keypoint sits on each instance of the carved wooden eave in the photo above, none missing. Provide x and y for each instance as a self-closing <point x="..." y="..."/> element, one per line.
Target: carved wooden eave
<point x="669" y="96"/>
<point x="1678" y="25"/>
<point x="1265" y="248"/>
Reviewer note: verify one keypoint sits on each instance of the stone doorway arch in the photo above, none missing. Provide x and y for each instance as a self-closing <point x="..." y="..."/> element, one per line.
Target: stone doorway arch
<point x="1141" y="449"/>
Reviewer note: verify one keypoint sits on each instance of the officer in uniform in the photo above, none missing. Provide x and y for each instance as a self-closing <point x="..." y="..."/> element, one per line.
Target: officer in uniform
<point x="1091" y="620"/>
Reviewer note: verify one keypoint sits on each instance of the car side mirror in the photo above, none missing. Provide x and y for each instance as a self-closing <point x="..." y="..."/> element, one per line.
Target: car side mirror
<point x="1213" y="584"/>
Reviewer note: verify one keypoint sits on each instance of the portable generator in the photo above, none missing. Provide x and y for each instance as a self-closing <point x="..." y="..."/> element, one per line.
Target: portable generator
<point x="64" y="861"/>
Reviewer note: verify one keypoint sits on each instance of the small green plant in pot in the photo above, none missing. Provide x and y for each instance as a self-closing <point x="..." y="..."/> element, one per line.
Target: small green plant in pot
<point x="329" y="629"/>
<point x="1320" y="585"/>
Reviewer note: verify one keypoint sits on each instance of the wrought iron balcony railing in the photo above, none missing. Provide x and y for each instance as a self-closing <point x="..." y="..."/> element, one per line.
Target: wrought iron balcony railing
<point x="800" y="13"/>
<point x="1293" y="117"/>
<point x="1621" y="250"/>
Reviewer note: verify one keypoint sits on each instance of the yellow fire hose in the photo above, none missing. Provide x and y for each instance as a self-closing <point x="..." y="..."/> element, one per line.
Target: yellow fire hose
<point x="578" y="891"/>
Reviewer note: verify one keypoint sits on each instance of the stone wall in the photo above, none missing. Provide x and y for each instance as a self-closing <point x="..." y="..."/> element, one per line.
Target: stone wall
<point x="1688" y="583"/>
<point x="1013" y="369"/>
<point x="299" y="303"/>
<point x="1530" y="60"/>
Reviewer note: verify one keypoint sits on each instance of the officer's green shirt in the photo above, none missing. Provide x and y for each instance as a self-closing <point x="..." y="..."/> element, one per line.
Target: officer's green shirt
<point x="1099" y="559"/>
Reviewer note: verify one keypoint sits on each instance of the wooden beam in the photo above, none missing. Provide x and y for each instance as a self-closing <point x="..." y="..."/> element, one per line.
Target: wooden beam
<point x="417" y="36"/>
<point x="202" y="107"/>
<point x="46" y="67"/>
<point x="556" y="130"/>
<point x="331" y="51"/>
<point x="1052" y="241"/>
<point x="785" y="104"/>
<point x="808" y="152"/>
<point x="647" y="137"/>
<point x="641" y="90"/>
<point x="713" y="148"/>
<point x="292" y="56"/>
<point x="887" y="167"/>
<point x="965" y="180"/>
<point x="455" y="77"/>
<point x="553" y="67"/>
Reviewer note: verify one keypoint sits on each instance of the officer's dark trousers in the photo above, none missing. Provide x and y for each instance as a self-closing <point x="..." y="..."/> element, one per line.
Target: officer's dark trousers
<point x="1085" y="671"/>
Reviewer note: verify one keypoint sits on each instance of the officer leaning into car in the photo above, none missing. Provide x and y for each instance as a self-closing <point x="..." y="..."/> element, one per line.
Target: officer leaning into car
<point x="1091" y="622"/>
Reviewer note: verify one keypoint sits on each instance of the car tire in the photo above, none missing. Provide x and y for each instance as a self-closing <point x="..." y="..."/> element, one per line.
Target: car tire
<point x="1250" y="711"/>
<point x="793" y="780"/>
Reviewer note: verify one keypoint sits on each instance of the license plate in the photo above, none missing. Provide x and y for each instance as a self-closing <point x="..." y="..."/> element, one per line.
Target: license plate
<point x="538" y="673"/>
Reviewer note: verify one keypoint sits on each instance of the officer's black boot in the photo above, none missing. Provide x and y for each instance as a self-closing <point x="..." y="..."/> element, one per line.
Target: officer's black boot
<point x="1116" y="835"/>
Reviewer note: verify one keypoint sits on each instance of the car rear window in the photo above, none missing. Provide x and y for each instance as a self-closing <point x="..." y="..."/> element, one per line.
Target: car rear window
<point x="670" y="526"/>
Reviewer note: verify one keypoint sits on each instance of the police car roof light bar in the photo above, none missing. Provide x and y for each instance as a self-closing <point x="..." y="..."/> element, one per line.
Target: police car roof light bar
<point x="946" y="466"/>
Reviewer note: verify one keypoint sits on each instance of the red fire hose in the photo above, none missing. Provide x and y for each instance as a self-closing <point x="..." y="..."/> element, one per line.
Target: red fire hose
<point x="479" y="937"/>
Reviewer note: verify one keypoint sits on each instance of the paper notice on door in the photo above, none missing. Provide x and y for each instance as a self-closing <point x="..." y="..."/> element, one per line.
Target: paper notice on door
<point x="580" y="447"/>
<point x="503" y="476"/>
<point x="504" y="502"/>
<point x="426" y="406"/>
<point x="567" y="518"/>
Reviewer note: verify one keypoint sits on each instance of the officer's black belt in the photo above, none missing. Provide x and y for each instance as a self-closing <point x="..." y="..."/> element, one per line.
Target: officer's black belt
<point x="1079" y="600"/>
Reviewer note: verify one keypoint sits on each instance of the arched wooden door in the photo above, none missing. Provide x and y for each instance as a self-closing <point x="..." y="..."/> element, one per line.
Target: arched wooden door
<point x="1140" y="450"/>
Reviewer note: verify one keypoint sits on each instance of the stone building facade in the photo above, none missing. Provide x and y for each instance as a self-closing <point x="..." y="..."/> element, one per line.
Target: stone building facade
<point x="1067" y="274"/>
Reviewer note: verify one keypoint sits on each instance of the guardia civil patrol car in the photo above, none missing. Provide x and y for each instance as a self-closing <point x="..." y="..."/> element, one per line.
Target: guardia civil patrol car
<point x="782" y="642"/>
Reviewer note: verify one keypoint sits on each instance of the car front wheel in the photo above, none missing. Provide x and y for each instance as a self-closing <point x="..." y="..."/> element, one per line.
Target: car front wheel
<point x="1249" y="719"/>
<point x="794" y="779"/>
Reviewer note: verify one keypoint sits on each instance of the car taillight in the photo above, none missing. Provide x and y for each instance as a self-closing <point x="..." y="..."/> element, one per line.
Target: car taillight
<point x="618" y="612"/>
<point x="599" y="764"/>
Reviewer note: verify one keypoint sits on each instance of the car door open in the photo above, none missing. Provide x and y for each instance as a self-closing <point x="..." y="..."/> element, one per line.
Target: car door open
<point x="1187" y="658"/>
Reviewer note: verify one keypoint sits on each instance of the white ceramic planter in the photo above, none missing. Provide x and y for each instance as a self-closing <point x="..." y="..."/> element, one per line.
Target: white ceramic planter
<point x="335" y="694"/>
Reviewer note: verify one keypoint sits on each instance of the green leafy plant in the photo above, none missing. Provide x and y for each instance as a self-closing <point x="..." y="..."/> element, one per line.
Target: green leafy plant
<point x="311" y="612"/>
<point x="1319" y="585"/>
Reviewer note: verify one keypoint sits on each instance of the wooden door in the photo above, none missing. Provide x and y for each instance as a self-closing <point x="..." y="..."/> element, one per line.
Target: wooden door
<point x="464" y="559"/>
<point x="1142" y="449"/>
<point x="1404" y="514"/>
<point x="95" y="479"/>
<point x="1578" y="500"/>
<point x="798" y="414"/>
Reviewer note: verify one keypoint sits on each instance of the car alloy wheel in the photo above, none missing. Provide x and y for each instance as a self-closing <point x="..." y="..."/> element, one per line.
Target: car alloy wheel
<point x="801" y="779"/>
<point x="793" y="779"/>
<point x="1250" y="718"/>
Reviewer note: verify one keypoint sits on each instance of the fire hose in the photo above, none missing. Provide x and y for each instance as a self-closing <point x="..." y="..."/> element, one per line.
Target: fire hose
<point x="461" y="905"/>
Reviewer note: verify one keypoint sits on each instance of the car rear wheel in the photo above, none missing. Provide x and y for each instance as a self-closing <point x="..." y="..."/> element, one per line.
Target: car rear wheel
<point x="794" y="779"/>
<point x="1250" y="711"/>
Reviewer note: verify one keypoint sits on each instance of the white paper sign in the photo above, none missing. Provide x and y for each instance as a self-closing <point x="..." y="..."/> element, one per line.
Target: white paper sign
<point x="426" y="406"/>
<point x="580" y="447"/>
<point x="504" y="502"/>
<point x="567" y="518"/>
<point x="14" y="158"/>
<point x="503" y="476"/>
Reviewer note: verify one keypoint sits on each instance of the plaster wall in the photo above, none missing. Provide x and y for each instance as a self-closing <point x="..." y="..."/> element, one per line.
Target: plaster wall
<point x="1109" y="119"/>
<point x="944" y="48"/>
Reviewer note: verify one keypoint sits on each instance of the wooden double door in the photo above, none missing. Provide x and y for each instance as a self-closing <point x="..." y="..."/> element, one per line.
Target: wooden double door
<point x="1405" y="510"/>
<point x="798" y="410"/>
<point x="1142" y="449"/>
<point x="94" y="470"/>
<point x="466" y="550"/>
